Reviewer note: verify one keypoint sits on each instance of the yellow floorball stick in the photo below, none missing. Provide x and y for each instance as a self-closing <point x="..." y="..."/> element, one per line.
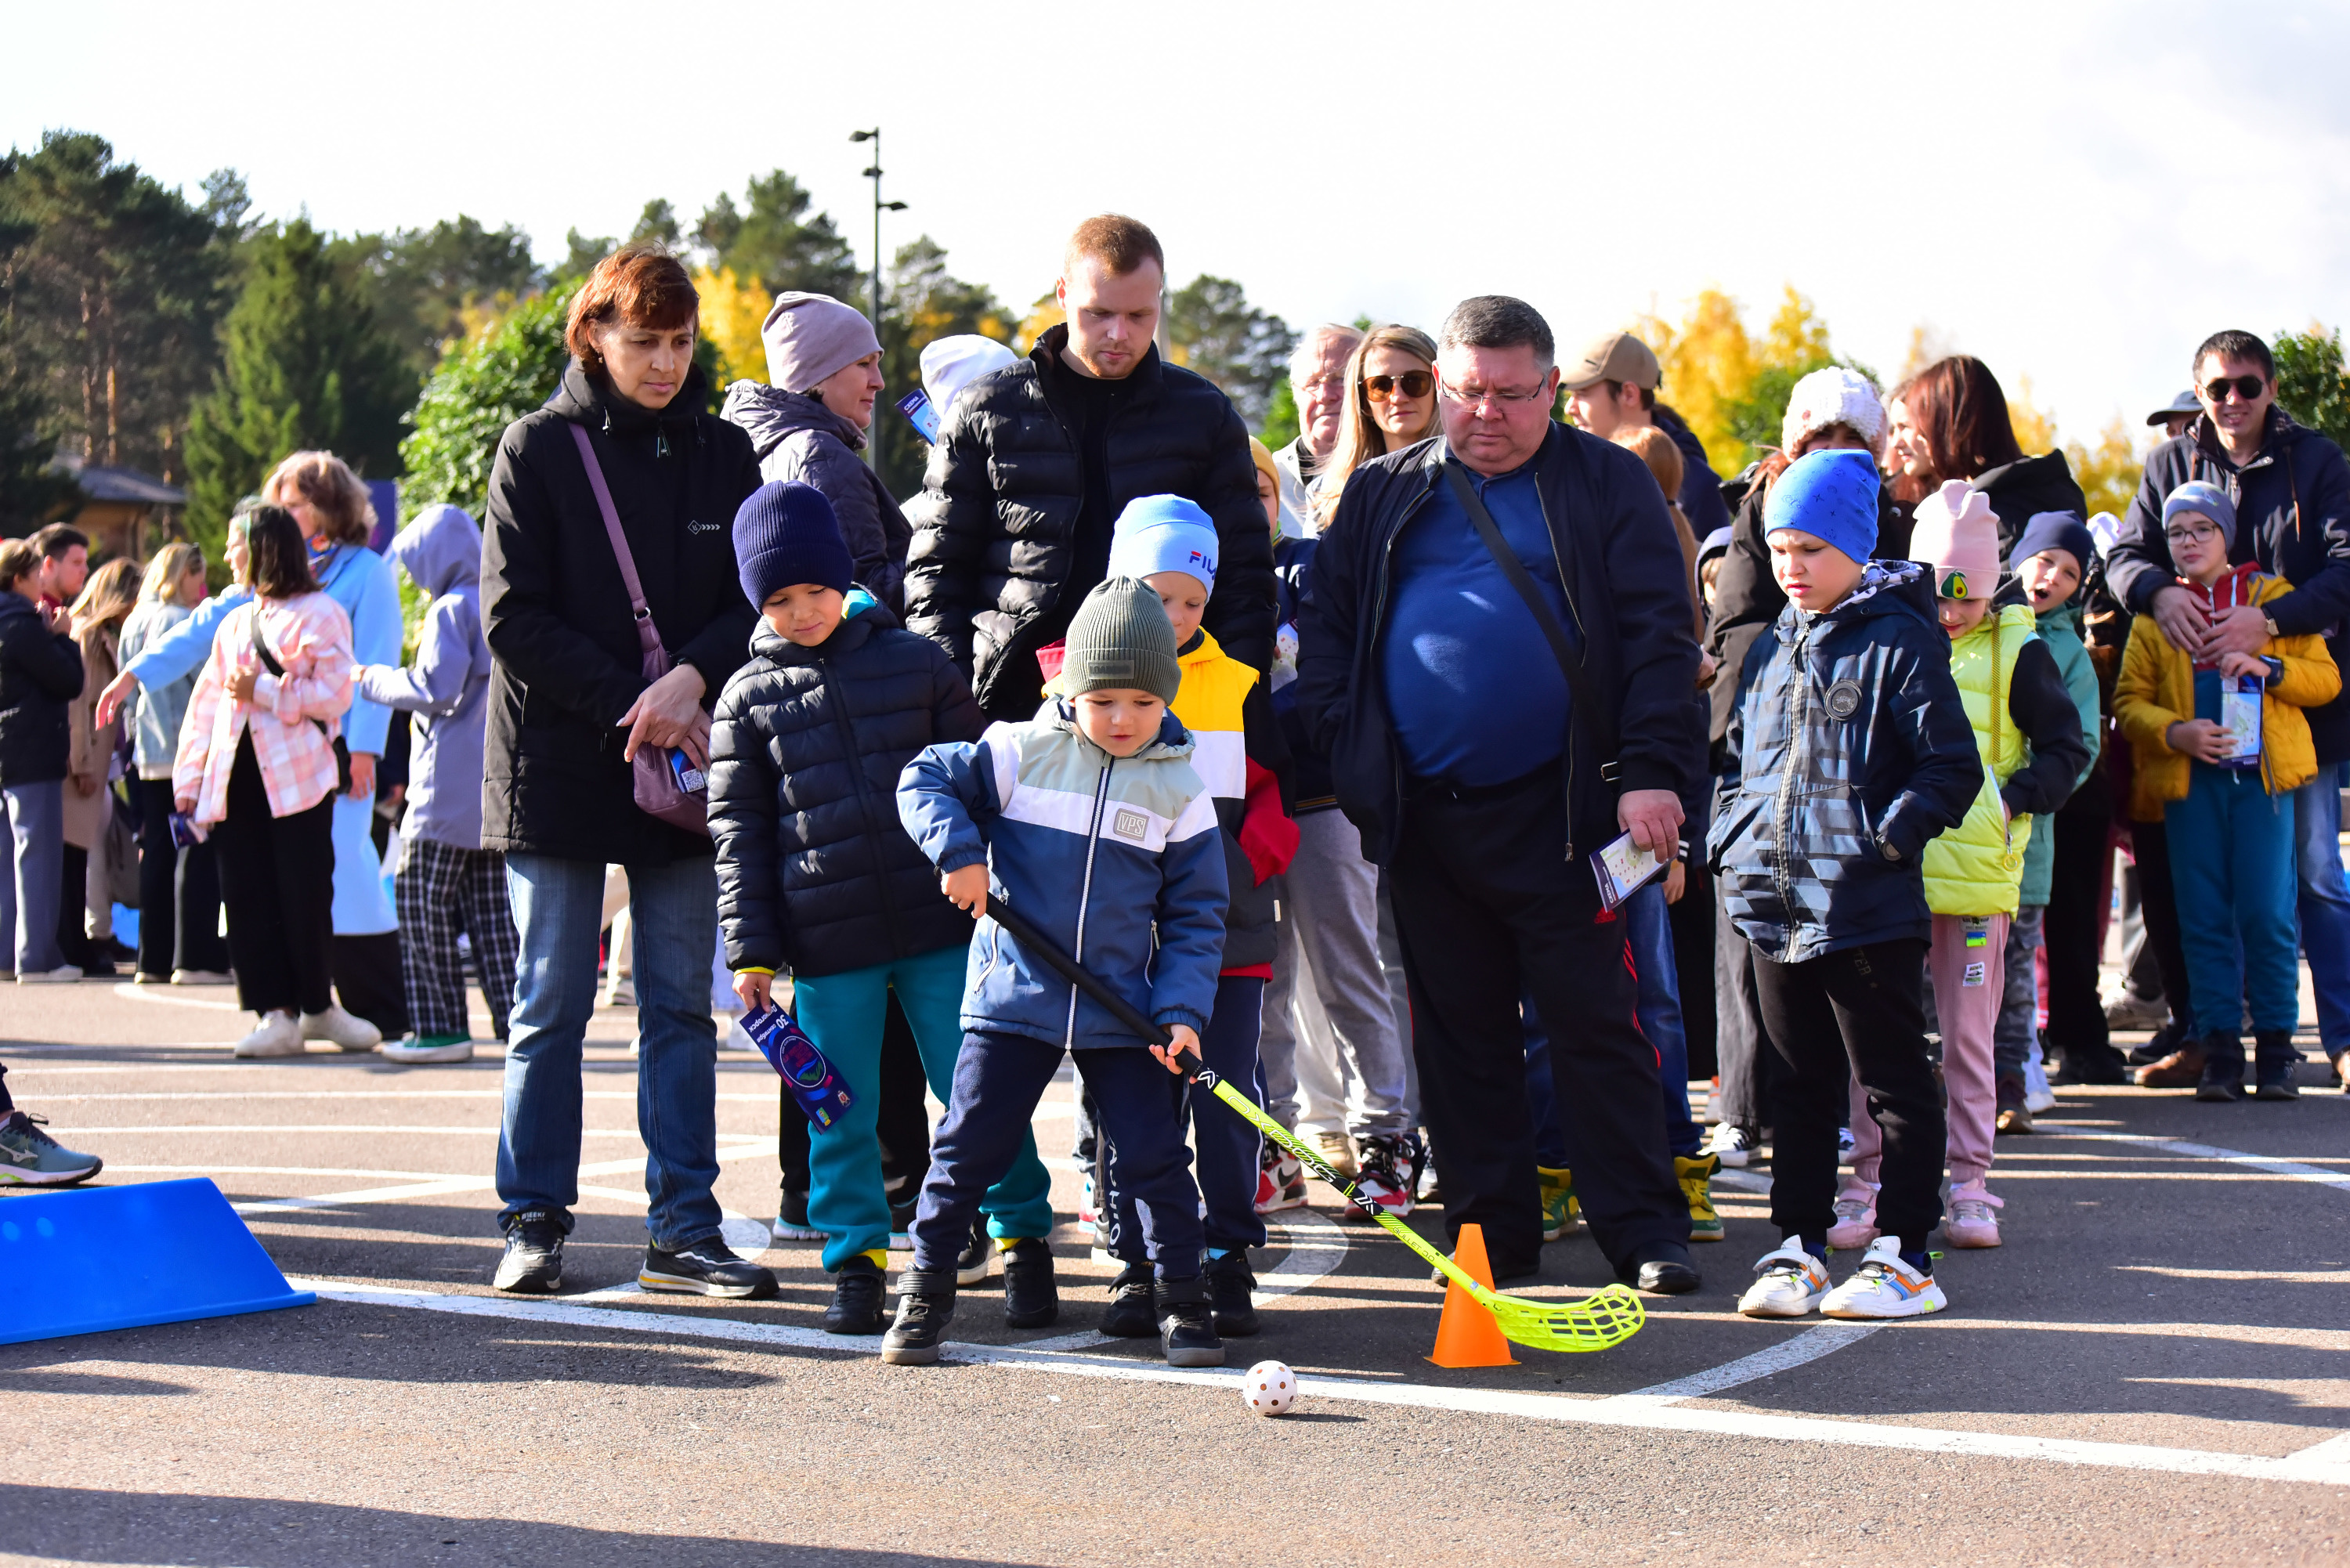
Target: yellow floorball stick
<point x="1606" y="1317"/>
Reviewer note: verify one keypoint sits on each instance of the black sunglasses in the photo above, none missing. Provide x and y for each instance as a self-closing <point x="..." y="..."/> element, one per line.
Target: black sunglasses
<point x="2248" y="388"/>
<point x="1415" y="384"/>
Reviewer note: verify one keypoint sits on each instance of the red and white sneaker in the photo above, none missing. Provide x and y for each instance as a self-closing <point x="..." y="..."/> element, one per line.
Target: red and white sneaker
<point x="1087" y="1213"/>
<point x="1280" y="1181"/>
<point x="1389" y="1166"/>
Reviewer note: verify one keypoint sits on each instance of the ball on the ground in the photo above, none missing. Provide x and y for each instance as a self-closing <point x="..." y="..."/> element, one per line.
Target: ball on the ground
<point x="1270" y="1388"/>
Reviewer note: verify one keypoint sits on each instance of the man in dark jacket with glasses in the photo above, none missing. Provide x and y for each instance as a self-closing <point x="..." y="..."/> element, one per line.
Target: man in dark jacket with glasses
<point x="2292" y="491"/>
<point x="1487" y="747"/>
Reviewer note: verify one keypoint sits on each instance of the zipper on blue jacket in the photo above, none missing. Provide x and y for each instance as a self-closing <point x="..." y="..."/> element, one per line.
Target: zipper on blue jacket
<point x="835" y="699"/>
<point x="1798" y="693"/>
<point x="1085" y="894"/>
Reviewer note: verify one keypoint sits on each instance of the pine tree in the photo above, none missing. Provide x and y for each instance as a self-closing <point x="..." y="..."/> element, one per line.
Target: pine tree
<point x="305" y="365"/>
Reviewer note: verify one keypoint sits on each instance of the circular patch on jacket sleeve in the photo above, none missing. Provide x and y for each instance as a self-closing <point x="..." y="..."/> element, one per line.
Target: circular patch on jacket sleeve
<point x="1843" y="698"/>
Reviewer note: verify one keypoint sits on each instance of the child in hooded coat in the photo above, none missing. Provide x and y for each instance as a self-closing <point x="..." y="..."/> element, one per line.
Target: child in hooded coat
<point x="446" y="882"/>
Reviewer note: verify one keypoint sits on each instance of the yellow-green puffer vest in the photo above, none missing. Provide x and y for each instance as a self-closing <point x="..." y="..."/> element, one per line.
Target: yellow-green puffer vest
<point x="1976" y="867"/>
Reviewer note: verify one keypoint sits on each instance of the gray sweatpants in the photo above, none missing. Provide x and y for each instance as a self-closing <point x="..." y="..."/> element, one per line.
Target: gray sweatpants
<point x="37" y="821"/>
<point x="1332" y="1059"/>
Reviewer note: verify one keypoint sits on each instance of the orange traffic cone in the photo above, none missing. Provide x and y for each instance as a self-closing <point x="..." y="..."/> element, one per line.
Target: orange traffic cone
<point x="1467" y="1336"/>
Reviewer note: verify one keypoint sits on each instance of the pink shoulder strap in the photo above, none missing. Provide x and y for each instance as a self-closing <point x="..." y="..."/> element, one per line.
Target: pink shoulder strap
<point x="648" y="635"/>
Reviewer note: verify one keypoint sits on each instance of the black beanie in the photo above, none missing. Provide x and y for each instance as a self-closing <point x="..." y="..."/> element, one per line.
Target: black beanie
<point x="785" y="535"/>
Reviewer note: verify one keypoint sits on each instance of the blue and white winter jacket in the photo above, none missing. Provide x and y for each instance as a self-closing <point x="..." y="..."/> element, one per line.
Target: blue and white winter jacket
<point x="1096" y="850"/>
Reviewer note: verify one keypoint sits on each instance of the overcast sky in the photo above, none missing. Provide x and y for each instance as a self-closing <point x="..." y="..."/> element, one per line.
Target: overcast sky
<point x="2077" y="192"/>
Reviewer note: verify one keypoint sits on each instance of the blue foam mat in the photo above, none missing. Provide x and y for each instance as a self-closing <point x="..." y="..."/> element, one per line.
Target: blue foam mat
<point x="98" y="1258"/>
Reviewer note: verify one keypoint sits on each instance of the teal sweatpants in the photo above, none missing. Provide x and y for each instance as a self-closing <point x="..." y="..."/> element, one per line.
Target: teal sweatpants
<point x="844" y="1014"/>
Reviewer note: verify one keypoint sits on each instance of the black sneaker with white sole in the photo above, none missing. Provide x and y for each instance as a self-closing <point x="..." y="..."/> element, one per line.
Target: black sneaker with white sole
<point x="978" y="1253"/>
<point x="1187" y="1324"/>
<point x="926" y="1304"/>
<point x="857" y="1291"/>
<point x="534" y="1262"/>
<point x="705" y="1269"/>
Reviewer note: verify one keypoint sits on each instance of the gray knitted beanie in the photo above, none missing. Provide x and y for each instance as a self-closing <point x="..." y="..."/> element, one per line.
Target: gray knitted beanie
<point x="1122" y="637"/>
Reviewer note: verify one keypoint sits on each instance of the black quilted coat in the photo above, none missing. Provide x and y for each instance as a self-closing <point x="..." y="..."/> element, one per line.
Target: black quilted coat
<point x="815" y="874"/>
<point x="994" y="525"/>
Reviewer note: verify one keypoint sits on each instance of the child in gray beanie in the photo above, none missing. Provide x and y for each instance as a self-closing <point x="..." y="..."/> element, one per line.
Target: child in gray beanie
<point x="1090" y="820"/>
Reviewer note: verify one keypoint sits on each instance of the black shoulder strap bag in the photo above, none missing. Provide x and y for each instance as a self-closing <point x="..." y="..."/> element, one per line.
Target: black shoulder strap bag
<point x="269" y="662"/>
<point x="1587" y="707"/>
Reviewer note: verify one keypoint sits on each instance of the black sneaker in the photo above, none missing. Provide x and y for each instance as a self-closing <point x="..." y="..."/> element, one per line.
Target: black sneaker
<point x="1131" y="1315"/>
<point x="2094" y="1063"/>
<point x="705" y="1269"/>
<point x="1187" y="1326"/>
<point x="1031" y="1300"/>
<point x="978" y="1252"/>
<point x="1661" y="1269"/>
<point x="2222" y="1081"/>
<point x="857" y="1293"/>
<point x="1232" y="1288"/>
<point x="534" y="1262"/>
<point x="2276" y="1064"/>
<point x="926" y="1302"/>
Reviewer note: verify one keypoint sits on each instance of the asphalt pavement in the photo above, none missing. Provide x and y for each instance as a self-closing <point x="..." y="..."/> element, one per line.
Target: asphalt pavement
<point x="2155" y="1369"/>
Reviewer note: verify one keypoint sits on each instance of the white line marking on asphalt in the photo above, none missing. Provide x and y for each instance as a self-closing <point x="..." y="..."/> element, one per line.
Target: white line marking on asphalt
<point x="2271" y="1276"/>
<point x="132" y="993"/>
<point x="488" y="1093"/>
<point x="464" y="1184"/>
<point x="1821" y="1339"/>
<point x="2294" y="1169"/>
<point x="489" y="1129"/>
<point x="2326" y="1462"/>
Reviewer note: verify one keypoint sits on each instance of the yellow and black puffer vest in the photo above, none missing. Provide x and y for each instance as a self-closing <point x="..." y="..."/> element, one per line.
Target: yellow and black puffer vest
<point x="1977" y="867"/>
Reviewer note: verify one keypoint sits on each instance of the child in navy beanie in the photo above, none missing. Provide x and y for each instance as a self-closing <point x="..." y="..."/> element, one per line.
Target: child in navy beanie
<point x="817" y="878"/>
<point x="1849" y="753"/>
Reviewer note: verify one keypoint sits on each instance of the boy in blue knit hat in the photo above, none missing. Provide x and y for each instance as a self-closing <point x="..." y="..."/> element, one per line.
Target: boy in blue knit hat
<point x="816" y="876"/>
<point x="1849" y="752"/>
<point x="1169" y="544"/>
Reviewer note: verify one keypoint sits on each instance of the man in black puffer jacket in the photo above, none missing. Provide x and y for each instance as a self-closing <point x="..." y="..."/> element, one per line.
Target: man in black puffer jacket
<point x="40" y="672"/>
<point x="1013" y="527"/>
<point x="817" y="876"/>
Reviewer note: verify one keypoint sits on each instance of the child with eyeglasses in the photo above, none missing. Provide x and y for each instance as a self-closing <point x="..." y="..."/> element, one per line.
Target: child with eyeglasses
<point x="2219" y="745"/>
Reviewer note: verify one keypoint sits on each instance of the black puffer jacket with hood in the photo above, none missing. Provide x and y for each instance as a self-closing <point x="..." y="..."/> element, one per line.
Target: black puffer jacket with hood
<point x="798" y="438"/>
<point x="816" y="872"/>
<point x="41" y="674"/>
<point x="1850" y="752"/>
<point x="995" y="525"/>
<point x="556" y="613"/>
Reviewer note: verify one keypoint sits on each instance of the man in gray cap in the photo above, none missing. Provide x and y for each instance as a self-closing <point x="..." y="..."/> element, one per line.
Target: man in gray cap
<point x="2174" y="416"/>
<point x="1612" y="387"/>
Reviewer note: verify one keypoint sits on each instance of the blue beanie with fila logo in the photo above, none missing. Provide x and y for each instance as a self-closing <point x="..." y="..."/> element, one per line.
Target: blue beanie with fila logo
<point x="1164" y="534"/>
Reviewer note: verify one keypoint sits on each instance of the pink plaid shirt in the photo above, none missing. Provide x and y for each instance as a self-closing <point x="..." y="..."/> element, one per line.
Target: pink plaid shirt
<point x="310" y="636"/>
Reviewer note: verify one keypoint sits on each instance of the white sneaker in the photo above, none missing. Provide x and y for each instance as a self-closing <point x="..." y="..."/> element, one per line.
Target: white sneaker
<point x="1884" y="1287"/>
<point x="412" y="1048"/>
<point x="1789" y="1283"/>
<point x="1733" y="1144"/>
<point x="202" y="977"/>
<point x="64" y="975"/>
<point x="341" y="1029"/>
<point x="279" y="1035"/>
<point x="1855" y="1219"/>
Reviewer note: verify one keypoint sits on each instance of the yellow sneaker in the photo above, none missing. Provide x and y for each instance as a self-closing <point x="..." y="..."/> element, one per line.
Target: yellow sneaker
<point x="1560" y="1212"/>
<point x="1695" y="1177"/>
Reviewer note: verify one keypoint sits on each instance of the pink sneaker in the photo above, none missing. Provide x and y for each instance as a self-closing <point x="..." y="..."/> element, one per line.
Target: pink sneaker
<point x="1974" y="1219"/>
<point x="1855" y="1219"/>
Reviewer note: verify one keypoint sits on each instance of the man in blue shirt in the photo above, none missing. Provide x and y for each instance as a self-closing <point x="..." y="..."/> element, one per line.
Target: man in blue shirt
<point x="1483" y="779"/>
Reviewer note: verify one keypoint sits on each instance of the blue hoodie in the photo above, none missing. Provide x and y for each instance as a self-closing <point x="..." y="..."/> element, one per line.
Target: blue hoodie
<point x="442" y="554"/>
<point x="1099" y="851"/>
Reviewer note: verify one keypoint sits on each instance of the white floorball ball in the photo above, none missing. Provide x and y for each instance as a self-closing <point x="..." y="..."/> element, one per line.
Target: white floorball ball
<point x="1270" y="1388"/>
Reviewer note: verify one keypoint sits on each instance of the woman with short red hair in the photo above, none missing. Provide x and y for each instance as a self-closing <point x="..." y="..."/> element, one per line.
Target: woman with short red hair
<point x="612" y="507"/>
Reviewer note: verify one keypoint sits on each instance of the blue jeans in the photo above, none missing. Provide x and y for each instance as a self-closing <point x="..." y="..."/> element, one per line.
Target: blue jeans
<point x="37" y="821"/>
<point x="998" y="1080"/>
<point x="1649" y="933"/>
<point x="558" y="909"/>
<point x="2231" y="865"/>
<point x="2324" y="903"/>
<point x="844" y="1014"/>
<point x="1228" y="1146"/>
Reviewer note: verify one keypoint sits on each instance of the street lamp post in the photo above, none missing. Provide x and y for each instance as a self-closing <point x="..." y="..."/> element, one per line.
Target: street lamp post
<point x="873" y="448"/>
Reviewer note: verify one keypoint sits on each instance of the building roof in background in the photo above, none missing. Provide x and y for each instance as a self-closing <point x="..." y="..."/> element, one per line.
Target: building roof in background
<point x="122" y="485"/>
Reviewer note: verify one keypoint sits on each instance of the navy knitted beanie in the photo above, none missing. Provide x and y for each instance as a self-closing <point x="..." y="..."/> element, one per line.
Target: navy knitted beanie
<point x="785" y="535"/>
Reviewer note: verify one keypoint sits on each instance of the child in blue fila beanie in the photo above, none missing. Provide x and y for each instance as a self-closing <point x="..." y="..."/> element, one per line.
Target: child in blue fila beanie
<point x="1849" y="753"/>
<point x="817" y="878"/>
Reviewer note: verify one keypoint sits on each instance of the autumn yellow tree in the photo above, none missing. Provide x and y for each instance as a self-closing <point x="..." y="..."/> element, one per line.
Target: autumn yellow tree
<point x="733" y="308"/>
<point x="1730" y="385"/>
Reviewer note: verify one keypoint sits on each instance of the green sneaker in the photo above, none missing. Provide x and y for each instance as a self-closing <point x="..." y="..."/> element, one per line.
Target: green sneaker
<point x="1695" y="1177"/>
<point x="1561" y="1213"/>
<point x="31" y="1158"/>
<point x="430" y="1048"/>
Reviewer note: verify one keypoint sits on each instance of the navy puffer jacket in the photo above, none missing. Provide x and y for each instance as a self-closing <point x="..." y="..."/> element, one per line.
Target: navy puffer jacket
<point x="816" y="873"/>
<point x="1850" y="752"/>
<point x="40" y="672"/>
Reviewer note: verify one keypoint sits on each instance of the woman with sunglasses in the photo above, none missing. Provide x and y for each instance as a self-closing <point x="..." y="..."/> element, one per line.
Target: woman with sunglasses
<point x="1951" y="421"/>
<point x="1390" y="404"/>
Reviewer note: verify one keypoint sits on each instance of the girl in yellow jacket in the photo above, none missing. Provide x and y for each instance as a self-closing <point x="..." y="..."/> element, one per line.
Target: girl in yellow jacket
<point x="2029" y="734"/>
<point x="2220" y="747"/>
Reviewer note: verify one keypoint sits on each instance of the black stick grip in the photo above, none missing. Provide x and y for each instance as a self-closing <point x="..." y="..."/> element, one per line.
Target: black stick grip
<point x="1084" y="979"/>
